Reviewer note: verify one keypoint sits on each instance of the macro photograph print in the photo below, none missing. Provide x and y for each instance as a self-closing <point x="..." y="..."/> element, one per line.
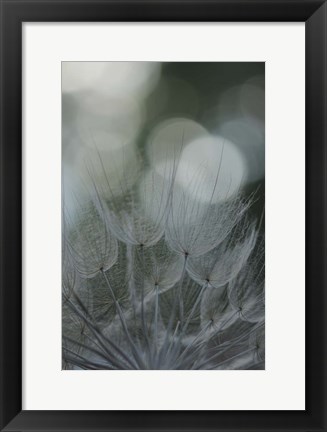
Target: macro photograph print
<point x="163" y="222"/>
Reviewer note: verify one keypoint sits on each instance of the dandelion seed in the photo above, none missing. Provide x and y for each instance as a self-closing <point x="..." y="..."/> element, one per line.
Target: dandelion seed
<point x="163" y="263"/>
<point x="246" y="291"/>
<point x="162" y="268"/>
<point x="195" y="228"/>
<point x="220" y="265"/>
<point x="90" y="244"/>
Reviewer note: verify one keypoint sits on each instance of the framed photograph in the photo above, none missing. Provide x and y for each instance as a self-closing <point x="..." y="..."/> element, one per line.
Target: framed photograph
<point x="163" y="215"/>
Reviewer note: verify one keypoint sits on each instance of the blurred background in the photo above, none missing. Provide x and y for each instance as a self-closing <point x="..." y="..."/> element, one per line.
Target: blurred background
<point x="122" y="116"/>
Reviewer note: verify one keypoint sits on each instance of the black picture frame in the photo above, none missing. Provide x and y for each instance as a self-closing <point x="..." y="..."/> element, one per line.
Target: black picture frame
<point x="13" y="14"/>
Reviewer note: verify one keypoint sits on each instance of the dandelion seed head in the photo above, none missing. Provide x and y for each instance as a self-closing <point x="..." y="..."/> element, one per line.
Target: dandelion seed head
<point x="163" y="265"/>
